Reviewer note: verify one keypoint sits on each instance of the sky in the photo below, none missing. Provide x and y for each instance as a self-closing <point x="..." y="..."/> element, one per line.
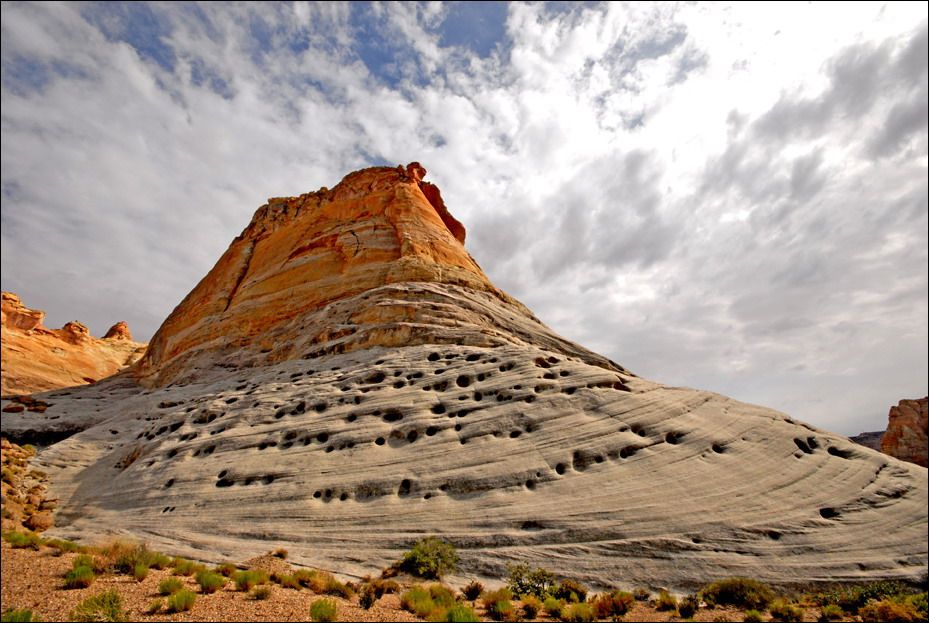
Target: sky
<point x="731" y="197"/>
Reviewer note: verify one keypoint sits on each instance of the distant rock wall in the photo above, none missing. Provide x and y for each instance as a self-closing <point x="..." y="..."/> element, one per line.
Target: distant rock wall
<point x="37" y="359"/>
<point x="869" y="440"/>
<point x="906" y="436"/>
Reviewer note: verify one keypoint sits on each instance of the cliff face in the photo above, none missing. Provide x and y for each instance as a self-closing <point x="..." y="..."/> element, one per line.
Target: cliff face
<point x="376" y="261"/>
<point x="906" y="436"/>
<point x="37" y="359"/>
<point x="346" y="380"/>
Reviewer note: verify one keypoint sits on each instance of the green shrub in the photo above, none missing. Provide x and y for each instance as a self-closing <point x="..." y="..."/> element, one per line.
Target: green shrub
<point x="461" y="614"/>
<point x="442" y="595"/>
<point x="613" y="604"/>
<point x="126" y="556"/>
<point x="739" y="592"/>
<point x="368" y="597"/>
<point x="498" y="605"/>
<point x="782" y="610"/>
<point x="140" y="571"/>
<point x="17" y="616"/>
<point x="472" y="590"/>
<point x="641" y="594"/>
<point x="288" y="581"/>
<point x="531" y="607"/>
<point x="247" y="580"/>
<point x="210" y="582"/>
<point x="261" y="593"/>
<point x="281" y="553"/>
<point x="65" y="546"/>
<point x="79" y="577"/>
<point x="666" y="601"/>
<point x="155" y="606"/>
<point x="157" y="560"/>
<point x="305" y="577"/>
<point x="418" y="600"/>
<point x="688" y="606"/>
<point x="851" y="598"/>
<point x="553" y="607"/>
<point x="169" y="586"/>
<point x="182" y="566"/>
<point x="340" y="589"/>
<point x="571" y="591"/>
<point x="752" y="616"/>
<point x="22" y="540"/>
<point x="324" y="610"/>
<point x="920" y="601"/>
<point x="106" y="606"/>
<point x="181" y="601"/>
<point x="577" y="613"/>
<point x="831" y="612"/>
<point x="226" y="569"/>
<point x="430" y="558"/>
<point x="524" y="580"/>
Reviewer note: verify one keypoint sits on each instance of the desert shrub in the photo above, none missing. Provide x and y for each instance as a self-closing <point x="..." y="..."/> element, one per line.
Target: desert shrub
<point x="124" y="556"/>
<point x="320" y="581"/>
<point x="157" y="560"/>
<point x="688" y="606"/>
<point x="304" y="577"/>
<point x="666" y="601"/>
<point x="888" y="610"/>
<point x="782" y="610"/>
<point x="281" y="553"/>
<point x="831" y="612"/>
<point x="368" y="597"/>
<point x="752" y="616"/>
<point x="182" y="566"/>
<point x="614" y="604"/>
<point x="288" y="581"/>
<point x="570" y="591"/>
<point x="641" y="594"/>
<point x="382" y="587"/>
<point x="22" y="540"/>
<point x="210" y="582"/>
<point x="169" y="586"/>
<point x="181" y="601"/>
<point x="15" y="616"/>
<point x="472" y="590"/>
<point x="498" y="605"/>
<point x="247" y="580"/>
<point x="577" y="613"/>
<point x="552" y="606"/>
<point x="225" y="569"/>
<point x="851" y="598"/>
<point x="418" y="600"/>
<point x="430" y="558"/>
<point x="524" y="580"/>
<point x="461" y="614"/>
<point x="79" y="577"/>
<point x="155" y="606"/>
<point x="531" y="607"/>
<point x="920" y="601"/>
<point x="261" y="593"/>
<point x="324" y="610"/>
<point x="106" y="606"/>
<point x="442" y="595"/>
<point x="140" y="571"/>
<point x="340" y="589"/>
<point x="740" y="592"/>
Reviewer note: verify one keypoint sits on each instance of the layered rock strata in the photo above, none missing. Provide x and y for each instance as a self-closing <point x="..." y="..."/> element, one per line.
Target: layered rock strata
<point x="906" y="435"/>
<point x="37" y="359"/>
<point x="346" y="381"/>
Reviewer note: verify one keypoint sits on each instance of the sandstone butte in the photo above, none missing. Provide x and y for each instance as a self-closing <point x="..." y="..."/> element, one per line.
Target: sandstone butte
<point x="37" y="359"/>
<point x="906" y="435"/>
<point x="346" y="380"/>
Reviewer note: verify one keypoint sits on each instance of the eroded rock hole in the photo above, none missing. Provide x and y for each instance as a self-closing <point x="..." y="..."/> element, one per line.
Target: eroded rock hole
<point x="673" y="437"/>
<point x="404" y="488"/>
<point x="828" y="513"/>
<point x="438" y="409"/>
<point x="718" y="448"/>
<point x="463" y="381"/>
<point x="393" y="415"/>
<point x="842" y="454"/>
<point x="803" y="446"/>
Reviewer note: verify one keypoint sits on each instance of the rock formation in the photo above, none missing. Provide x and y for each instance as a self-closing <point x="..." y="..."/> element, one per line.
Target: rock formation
<point x="39" y="359"/>
<point x="869" y="440"/>
<point x="906" y="435"/>
<point x="347" y="380"/>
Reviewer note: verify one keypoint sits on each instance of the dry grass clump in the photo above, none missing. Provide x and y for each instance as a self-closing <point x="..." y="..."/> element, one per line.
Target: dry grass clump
<point x="666" y="601"/>
<point x="613" y="604"/>
<point x="247" y="580"/>
<point x="210" y="582"/>
<point x="261" y="593"/>
<point x="498" y="604"/>
<point x="324" y="610"/>
<point x="472" y="590"/>
<point x="169" y="586"/>
<point x="181" y="601"/>
<point x="16" y="616"/>
<point x="739" y="592"/>
<point x="106" y="606"/>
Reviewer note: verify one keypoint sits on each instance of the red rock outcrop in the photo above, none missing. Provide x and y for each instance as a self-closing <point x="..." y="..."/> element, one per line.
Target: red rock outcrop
<point x="906" y="436"/>
<point x="373" y="262"/>
<point x="37" y="359"/>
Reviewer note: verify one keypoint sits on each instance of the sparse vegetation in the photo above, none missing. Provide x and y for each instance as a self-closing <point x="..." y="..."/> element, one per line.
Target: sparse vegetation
<point x="226" y="569"/>
<point x="182" y="566"/>
<point x="739" y="592"/>
<point x="498" y="604"/>
<point x="571" y="591"/>
<point x="22" y="540"/>
<point x="430" y="558"/>
<point x="287" y="581"/>
<point x="324" y="610"/>
<point x="169" y="586"/>
<point x="831" y="612"/>
<point x="155" y="606"/>
<point x="752" y="616"/>
<point x="531" y="607"/>
<point x="16" y="616"/>
<point x="140" y="571"/>
<point x="261" y="593"/>
<point x="79" y="577"/>
<point x="688" y="606"/>
<point x="783" y="610"/>
<point x="247" y="580"/>
<point x="460" y="613"/>
<point x="181" y="601"/>
<point x="641" y="594"/>
<point x="106" y="606"/>
<point x="210" y="582"/>
<point x="889" y="611"/>
<point x="577" y="613"/>
<point x="553" y="607"/>
<point x="666" y="601"/>
<point x="281" y="553"/>
<point x="613" y="604"/>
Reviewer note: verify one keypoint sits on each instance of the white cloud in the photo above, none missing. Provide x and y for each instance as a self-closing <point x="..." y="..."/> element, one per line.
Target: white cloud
<point x="723" y="196"/>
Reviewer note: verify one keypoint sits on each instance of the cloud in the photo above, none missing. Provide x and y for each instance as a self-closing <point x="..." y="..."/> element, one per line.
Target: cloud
<point x="714" y="196"/>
